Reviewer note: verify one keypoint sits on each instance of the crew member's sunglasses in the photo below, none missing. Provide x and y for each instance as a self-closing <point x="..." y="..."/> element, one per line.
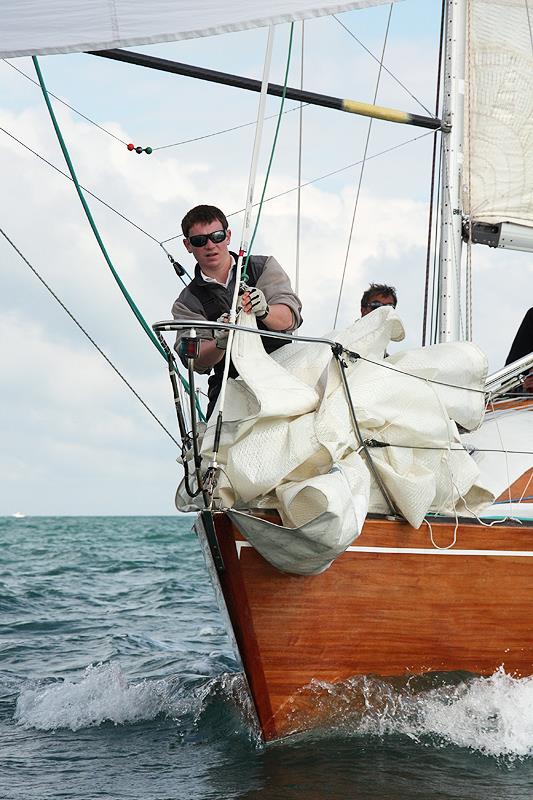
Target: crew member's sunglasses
<point x="377" y="304"/>
<point x="201" y="239"/>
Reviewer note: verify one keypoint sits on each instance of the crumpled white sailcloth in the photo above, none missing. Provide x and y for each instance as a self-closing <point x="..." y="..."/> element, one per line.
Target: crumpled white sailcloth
<point x="288" y="441"/>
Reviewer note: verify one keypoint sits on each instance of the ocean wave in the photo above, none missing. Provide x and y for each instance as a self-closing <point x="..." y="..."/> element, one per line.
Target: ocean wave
<point x="493" y="716"/>
<point x="102" y="695"/>
<point x="199" y="707"/>
<point x="489" y="715"/>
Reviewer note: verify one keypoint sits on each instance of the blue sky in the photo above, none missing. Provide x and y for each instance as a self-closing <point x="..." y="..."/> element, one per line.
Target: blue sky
<point x="75" y="441"/>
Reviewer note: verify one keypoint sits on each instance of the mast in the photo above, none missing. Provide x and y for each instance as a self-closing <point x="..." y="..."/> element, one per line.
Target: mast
<point x="451" y="177"/>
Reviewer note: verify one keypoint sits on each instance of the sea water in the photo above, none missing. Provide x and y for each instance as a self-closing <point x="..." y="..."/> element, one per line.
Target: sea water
<point x="117" y="680"/>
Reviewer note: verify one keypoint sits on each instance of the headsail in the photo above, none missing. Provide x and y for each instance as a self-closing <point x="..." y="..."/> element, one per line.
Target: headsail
<point x="65" y="26"/>
<point x="498" y="172"/>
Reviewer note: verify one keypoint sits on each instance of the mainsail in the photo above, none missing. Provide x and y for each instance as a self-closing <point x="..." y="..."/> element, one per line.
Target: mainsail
<point x="66" y="26"/>
<point x="498" y="175"/>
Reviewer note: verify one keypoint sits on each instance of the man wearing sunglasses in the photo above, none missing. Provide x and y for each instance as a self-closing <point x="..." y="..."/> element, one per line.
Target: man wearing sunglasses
<point x="377" y="295"/>
<point x="209" y="295"/>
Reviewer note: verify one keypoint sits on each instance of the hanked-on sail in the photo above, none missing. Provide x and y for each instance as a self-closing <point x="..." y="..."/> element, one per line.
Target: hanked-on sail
<point x="498" y="173"/>
<point x="288" y="441"/>
<point x="34" y="27"/>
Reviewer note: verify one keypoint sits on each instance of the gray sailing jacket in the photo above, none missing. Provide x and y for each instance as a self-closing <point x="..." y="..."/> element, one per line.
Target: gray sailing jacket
<point x="203" y="300"/>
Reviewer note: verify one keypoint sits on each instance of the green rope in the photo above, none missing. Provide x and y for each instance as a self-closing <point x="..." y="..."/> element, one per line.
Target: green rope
<point x="271" y="159"/>
<point x="92" y="223"/>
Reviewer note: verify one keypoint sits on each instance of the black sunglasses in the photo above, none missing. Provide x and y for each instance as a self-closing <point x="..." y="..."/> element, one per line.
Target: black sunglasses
<point x="201" y="239"/>
<point x="377" y="304"/>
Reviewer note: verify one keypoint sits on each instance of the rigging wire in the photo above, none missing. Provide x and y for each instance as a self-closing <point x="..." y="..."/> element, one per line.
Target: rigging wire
<point x="419" y="377"/>
<point x="467" y="193"/>
<point x="36" y="83"/>
<point x="89" y="216"/>
<point x="459" y="449"/>
<point x="436" y="269"/>
<point x="164" y="241"/>
<point x="88" y="191"/>
<point x="529" y="24"/>
<point x="321" y="177"/>
<point x="523" y="497"/>
<point x="507" y="470"/>
<point x="432" y="187"/>
<point x="361" y="174"/>
<point x="92" y="194"/>
<point x="336" y="171"/>
<point x="299" y="196"/>
<point x="371" y="442"/>
<point x="386" y="69"/>
<point x="468" y="286"/>
<point x="297" y="188"/>
<point x="161" y="147"/>
<point x="87" y="210"/>
<point x="227" y="130"/>
<point x="272" y="152"/>
<point x="233" y="213"/>
<point x="99" y="199"/>
<point x="88" y="336"/>
<point x="241" y="266"/>
<point x="186" y="141"/>
<point x="433" y="199"/>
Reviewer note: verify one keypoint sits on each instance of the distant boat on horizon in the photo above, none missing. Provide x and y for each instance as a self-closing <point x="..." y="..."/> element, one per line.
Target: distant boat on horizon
<point x="18" y="515"/>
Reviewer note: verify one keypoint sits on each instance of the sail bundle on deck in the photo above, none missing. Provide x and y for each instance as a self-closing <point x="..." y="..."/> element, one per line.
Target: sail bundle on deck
<point x="288" y="441"/>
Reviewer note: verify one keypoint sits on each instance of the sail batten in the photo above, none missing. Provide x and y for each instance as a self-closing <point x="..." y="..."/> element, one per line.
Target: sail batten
<point x="40" y="27"/>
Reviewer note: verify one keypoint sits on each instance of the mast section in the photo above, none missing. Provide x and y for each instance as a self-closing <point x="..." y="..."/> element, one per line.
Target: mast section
<point x="452" y="173"/>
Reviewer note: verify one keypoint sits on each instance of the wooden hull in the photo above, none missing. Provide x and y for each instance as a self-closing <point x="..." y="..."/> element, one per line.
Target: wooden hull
<point x="392" y="605"/>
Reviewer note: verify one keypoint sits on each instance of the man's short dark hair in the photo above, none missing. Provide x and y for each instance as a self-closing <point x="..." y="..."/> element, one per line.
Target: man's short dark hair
<point x="378" y="288"/>
<point x="203" y="214"/>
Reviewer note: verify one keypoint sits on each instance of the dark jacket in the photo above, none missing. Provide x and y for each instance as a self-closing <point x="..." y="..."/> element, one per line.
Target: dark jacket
<point x="523" y="341"/>
<point x="206" y="300"/>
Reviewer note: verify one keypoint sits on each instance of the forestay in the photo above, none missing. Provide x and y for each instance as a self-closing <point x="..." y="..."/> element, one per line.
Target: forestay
<point x="498" y="176"/>
<point x="34" y="27"/>
<point x="288" y="441"/>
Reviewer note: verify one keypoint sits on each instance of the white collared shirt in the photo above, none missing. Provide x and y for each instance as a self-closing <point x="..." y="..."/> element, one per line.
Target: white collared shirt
<point x="208" y="279"/>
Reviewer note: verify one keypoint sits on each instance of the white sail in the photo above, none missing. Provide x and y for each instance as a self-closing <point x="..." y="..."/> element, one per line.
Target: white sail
<point x="288" y="440"/>
<point x="32" y="27"/>
<point x="498" y="175"/>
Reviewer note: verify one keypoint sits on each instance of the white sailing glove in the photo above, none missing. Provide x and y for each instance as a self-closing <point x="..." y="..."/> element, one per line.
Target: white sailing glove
<point x="259" y="305"/>
<point x="221" y="336"/>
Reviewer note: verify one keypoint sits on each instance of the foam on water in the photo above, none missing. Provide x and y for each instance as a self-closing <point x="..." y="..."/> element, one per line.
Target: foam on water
<point x="103" y="694"/>
<point x="491" y="715"/>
